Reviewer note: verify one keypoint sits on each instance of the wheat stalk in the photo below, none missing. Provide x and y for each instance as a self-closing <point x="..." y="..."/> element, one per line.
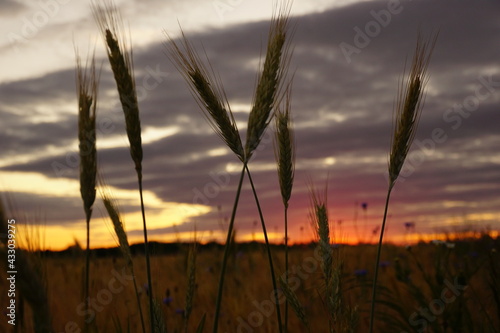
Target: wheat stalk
<point x="408" y="109"/>
<point x="210" y="95"/>
<point x="86" y="87"/>
<point x="285" y="159"/>
<point x="120" y="59"/>
<point x="208" y="91"/>
<point x="321" y="226"/>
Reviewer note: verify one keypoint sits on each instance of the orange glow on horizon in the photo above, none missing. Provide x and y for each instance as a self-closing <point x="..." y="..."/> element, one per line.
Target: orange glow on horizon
<point x="62" y="238"/>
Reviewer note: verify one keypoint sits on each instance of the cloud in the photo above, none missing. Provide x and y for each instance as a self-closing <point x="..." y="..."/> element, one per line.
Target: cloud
<point x="11" y="7"/>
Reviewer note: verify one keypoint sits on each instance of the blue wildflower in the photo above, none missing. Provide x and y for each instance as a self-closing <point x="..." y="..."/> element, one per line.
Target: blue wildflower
<point x="360" y="272"/>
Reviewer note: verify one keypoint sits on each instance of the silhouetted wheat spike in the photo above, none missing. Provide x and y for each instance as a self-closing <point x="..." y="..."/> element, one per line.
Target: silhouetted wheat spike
<point x="208" y="91"/>
<point x="114" y="215"/>
<point x="285" y="149"/>
<point x="270" y="80"/>
<point x="86" y="87"/>
<point x="209" y="94"/>
<point x="321" y="226"/>
<point x="266" y="98"/>
<point x="407" y="114"/>
<point x="408" y="107"/>
<point x="319" y="218"/>
<point x="120" y="59"/>
<point x="297" y="307"/>
<point x="285" y="157"/>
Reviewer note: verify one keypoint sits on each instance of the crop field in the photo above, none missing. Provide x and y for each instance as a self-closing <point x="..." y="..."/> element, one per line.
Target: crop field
<point x="427" y="288"/>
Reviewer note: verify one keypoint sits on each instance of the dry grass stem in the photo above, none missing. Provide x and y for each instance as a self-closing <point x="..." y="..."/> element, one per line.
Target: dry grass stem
<point x="208" y="91"/>
<point x="409" y="106"/>
<point x="120" y="59"/>
<point x="270" y="80"/>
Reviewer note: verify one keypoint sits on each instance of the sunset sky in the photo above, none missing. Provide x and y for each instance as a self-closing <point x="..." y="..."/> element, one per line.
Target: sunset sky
<point x="347" y="60"/>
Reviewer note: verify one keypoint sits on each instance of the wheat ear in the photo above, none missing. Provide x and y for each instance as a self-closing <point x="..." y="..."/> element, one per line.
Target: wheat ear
<point x="208" y="91"/>
<point x="159" y="324"/>
<point x="409" y="106"/>
<point x="319" y="220"/>
<point x="285" y="148"/>
<point x="86" y="87"/>
<point x="114" y="215"/>
<point x="297" y="307"/>
<point x="265" y="100"/>
<point x="270" y="80"/>
<point x="408" y="109"/>
<point x="320" y="223"/>
<point x="120" y="59"/>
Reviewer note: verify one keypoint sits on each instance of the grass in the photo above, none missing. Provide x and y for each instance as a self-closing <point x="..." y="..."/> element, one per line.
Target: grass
<point x="120" y="59"/>
<point x="209" y="92"/>
<point x="285" y="160"/>
<point x="86" y="87"/>
<point x="407" y="114"/>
